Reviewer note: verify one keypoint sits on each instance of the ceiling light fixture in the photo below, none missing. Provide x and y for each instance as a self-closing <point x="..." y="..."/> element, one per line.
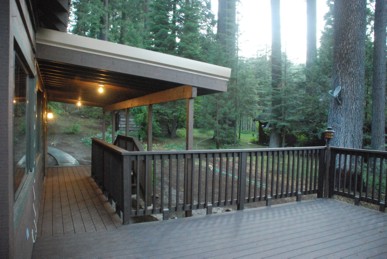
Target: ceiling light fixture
<point x="50" y="115"/>
<point x="101" y="89"/>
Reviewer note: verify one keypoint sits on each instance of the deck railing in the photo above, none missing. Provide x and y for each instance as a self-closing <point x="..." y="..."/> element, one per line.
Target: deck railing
<point x="190" y="180"/>
<point x="359" y="174"/>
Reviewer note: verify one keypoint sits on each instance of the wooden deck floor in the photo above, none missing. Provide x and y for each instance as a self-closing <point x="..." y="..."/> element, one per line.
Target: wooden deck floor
<point x="82" y="226"/>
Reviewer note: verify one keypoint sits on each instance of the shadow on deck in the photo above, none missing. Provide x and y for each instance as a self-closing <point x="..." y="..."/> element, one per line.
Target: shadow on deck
<point x="76" y="221"/>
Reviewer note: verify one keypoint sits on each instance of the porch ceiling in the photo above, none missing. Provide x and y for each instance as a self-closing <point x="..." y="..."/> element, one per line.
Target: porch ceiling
<point x="72" y="68"/>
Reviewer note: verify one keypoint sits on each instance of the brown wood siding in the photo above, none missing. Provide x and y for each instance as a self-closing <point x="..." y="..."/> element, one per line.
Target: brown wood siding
<point x="6" y="165"/>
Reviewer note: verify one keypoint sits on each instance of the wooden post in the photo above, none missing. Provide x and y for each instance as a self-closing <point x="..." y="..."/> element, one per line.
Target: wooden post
<point x="127" y="113"/>
<point x="127" y="189"/>
<point x="103" y="126"/>
<point x="189" y="164"/>
<point x="113" y="126"/>
<point x="189" y="126"/>
<point x="150" y="128"/>
<point x="242" y="180"/>
<point x="327" y="187"/>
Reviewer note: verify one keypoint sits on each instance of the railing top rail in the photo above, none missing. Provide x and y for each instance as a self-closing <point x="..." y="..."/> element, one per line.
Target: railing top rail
<point x="223" y="151"/>
<point x="131" y="139"/>
<point x="110" y="147"/>
<point x="359" y="151"/>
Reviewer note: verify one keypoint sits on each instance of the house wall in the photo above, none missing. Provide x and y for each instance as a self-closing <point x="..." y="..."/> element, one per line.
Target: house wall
<point x="6" y="197"/>
<point x="19" y="209"/>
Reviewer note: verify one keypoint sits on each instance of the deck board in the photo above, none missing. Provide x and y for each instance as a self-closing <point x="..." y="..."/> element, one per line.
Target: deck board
<point x="308" y="229"/>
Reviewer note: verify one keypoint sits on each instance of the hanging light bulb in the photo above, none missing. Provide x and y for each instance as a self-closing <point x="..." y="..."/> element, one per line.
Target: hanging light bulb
<point x="101" y="89"/>
<point x="50" y="115"/>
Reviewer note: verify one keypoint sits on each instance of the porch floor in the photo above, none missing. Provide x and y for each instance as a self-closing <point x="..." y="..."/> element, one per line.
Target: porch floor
<point x="76" y="222"/>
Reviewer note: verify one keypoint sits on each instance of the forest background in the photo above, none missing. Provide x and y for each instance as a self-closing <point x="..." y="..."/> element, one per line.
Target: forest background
<point x="285" y="103"/>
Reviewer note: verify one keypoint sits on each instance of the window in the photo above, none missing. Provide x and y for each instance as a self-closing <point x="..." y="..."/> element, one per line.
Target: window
<point x="19" y="124"/>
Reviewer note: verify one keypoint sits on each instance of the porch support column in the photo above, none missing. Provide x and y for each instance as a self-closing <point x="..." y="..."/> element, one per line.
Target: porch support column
<point x="113" y="126"/>
<point x="127" y="113"/>
<point x="103" y="126"/>
<point x="189" y="126"/>
<point x="150" y="128"/>
<point x="189" y="146"/>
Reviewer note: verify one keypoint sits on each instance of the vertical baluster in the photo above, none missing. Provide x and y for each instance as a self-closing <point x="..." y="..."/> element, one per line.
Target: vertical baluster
<point x="373" y="177"/>
<point x="380" y="180"/>
<point x="288" y="171"/>
<point x="220" y="179"/>
<point x="272" y="173"/>
<point x="138" y="175"/>
<point x="213" y="179"/>
<point x="278" y="166"/>
<point x="146" y="175"/>
<point x="162" y="185"/>
<point x="177" y="183"/>
<point x="191" y="176"/>
<point x="356" y="190"/>
<point x="255" y="176"/>
<point x="262" y="157"/>
<point x="350" y="173"/>
<point x="234" y="164"/>
<point x="200" y="180"/>
<point x="250" y="177"/>
<point x="306" y="172"/>
<point x="206" y="186"/>
<point x="292" y="176"/>
<point x="169" y="182"/>
<point x="227" y="180"/>
<point x="282" y="173"/>
<point x="367" y="174"/>
<point x="312" y="171"/>
<point x="345" y="172"/>
<point x="315" y="169"/>
<point x="267" y="172"/>
<point x="154" y="175"/>
<point x="302" y="187"/>
<point x="298" y="173"/>
<point x="361" y="176"/>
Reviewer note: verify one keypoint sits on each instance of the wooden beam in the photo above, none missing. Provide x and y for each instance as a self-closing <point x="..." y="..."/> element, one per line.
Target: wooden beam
<point x="177" y="93"/>
<point x="150" y="128"/>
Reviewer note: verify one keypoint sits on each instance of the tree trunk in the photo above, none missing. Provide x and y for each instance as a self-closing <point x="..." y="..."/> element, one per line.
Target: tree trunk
<point x="226" y="30"/>
<point x="311" y="49"/>
<point x="379" y="78"/>
<point x="346" y="113"/>
<point x="276" y="72"/>
<point x="105" y="21"/>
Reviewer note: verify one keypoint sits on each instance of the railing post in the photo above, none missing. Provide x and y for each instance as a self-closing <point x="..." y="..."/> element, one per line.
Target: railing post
<point x="327" y="185"/>
<point x="242" y="181"/>
<point x="126" y="189"/>
<point x="321" y="173"/>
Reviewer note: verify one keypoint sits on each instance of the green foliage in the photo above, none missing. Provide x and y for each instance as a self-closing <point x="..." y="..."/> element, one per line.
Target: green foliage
<point x="73" y="129"/>
<point x="57" y="108"/>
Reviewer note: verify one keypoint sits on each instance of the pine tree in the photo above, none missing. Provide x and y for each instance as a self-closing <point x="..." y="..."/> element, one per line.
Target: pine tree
<point x="346" y="113"/>
<point x="379" y="77"/>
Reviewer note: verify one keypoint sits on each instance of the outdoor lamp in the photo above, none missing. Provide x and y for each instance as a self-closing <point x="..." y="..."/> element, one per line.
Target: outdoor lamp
<point x="79" y="103"/>
<point x="50" y="115"/>
<point x="328" y="134"/>
<point x="101" y="89"/>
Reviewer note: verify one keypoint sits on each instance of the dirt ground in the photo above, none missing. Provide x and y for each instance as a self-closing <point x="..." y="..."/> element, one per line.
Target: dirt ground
<point x="72" y="145"/>
<point x="61" y="135"/>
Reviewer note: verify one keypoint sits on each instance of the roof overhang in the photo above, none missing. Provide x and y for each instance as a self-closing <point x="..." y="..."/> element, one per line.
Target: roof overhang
<point x="72" y="67"/>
